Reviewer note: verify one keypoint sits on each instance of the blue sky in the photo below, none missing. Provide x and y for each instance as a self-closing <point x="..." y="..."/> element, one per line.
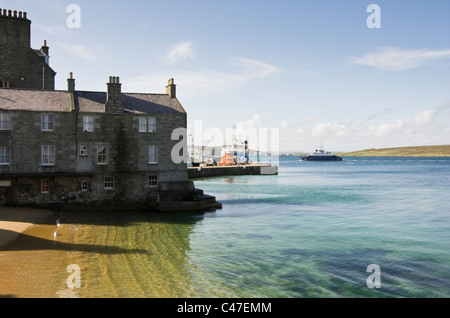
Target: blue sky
<point x="312" y="69"/>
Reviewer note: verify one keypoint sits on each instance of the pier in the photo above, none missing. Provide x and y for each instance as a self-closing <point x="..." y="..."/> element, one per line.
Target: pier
<point x="231" y="170"/>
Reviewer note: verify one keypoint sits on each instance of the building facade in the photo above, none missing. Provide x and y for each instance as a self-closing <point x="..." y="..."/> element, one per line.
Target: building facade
<point x="86" y="149"/>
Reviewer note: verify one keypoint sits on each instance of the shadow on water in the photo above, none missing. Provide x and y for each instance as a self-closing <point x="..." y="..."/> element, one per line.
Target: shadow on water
<point x="128" y="218"/>
<point x="25" y="242"/>
<point x="109" y="219"/>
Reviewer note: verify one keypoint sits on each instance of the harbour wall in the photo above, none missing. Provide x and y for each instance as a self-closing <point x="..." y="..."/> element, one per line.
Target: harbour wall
<point x="222" y="171"/>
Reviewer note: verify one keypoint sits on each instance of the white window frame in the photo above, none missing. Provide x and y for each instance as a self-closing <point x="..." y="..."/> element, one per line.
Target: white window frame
<point x="88" y="123"/>
<point x="83" y="150"/>
<point x="48" y="153"/>
<point x="84" y="186"/>
<point x="109" y="183"/>
<point x="147" y="124"/>
<point x="142" y="124"/>
<point x="102" y="155"/>
<point x="5" y="156"/>
<point x="153" y="180"/>
<point x="151" y="124"/>
<point x="47" y="122"/>
<point x="153" y="154"/>
<point x="45" y="183"/>
<point x="5" y="121"/>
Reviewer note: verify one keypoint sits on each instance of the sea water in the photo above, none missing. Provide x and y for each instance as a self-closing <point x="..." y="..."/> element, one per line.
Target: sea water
<point x="310" y="231"/>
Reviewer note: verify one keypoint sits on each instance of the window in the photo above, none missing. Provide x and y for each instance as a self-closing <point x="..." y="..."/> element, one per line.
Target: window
<point x="47" y="123"/>
<point x="151" y="124"/>
<point x="152" y="154"/>
<point x="84" y="185"/>
<point x="142" y="124"/>
<point x="88" y="123"/>
<point x="109" y="183"/>
<point x="5" y="156"/>
<point x="83" y="150"/>
<point x="147" y="124"/>
<point x="48" y="155"/>
<point x="45" y="186"/>
<point x="5" y="121"/>
<point x="153" y="180"/>
<point x="101" y="155"/>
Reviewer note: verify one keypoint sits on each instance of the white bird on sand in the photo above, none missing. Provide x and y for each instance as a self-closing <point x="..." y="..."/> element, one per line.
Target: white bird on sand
<point x="57" y="223"/>
<point x="55" y="235"/>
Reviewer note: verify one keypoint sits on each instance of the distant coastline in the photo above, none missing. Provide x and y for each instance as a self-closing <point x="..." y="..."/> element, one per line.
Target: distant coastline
<point x="414" y="151"/>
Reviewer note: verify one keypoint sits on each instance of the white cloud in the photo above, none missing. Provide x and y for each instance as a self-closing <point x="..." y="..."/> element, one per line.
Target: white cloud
<point x="426" y="127"/>
<point x="397" y="59"/>
<point x="204" y="81"/>
<point x="180" y="51"/>
<point x="379" y="114"/>
<point x="254" y="69"/>
<point x="80" y="51"/>
<point x="255" y="122"/>
<point x="53" y="30"/>
<point x="325" y="130"/>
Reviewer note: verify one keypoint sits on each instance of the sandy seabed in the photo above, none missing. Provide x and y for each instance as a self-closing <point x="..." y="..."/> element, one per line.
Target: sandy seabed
<point x="14" y="221"/>
<point x="26" y="261"/>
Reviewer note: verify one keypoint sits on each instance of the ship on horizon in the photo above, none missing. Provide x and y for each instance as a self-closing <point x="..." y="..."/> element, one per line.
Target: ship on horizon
<point x="321" y="155"/>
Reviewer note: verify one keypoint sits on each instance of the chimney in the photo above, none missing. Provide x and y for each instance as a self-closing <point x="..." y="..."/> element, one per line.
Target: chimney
<point x="114" y="102"/>
<point x="14" y="28"/>
<point x="71" y="90"/>
<point x="71" y="83"/>
<point x="44" y="49"/>
<point x="171" y="89"/>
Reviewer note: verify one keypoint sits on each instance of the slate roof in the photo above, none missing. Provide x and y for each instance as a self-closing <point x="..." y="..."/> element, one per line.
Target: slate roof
<point x="59" y="101"/>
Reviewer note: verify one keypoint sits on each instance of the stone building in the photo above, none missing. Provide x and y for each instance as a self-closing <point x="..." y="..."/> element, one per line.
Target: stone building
<point x="85" y="149"/>
<point x="20" y="65"/>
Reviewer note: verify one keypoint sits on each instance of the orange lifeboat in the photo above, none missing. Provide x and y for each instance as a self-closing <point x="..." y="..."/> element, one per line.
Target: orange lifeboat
<point x="228" y="159"/>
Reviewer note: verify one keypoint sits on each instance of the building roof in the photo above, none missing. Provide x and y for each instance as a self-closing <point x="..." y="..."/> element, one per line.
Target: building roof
<point x="87" y="101"/>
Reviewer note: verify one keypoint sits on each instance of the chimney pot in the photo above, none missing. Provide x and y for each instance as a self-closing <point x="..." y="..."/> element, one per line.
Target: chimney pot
<point x="171" y="89"/>
<point x="71" y="83"/>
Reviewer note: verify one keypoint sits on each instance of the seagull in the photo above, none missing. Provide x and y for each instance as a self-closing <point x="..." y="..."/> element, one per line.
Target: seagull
<point x="57" y="223"/>
<point x="55" y="235"/>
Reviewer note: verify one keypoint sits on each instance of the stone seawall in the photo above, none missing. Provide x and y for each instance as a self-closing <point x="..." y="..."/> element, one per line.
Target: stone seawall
<point x="221" y="171"/>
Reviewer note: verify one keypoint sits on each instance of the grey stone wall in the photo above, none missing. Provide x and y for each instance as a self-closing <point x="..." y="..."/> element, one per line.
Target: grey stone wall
<point x="20" y="66"/>
<point x="127" y="157"/>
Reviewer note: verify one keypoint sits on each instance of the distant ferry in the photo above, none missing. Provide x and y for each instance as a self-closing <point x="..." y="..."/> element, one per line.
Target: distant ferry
<point x="321" y="155"/>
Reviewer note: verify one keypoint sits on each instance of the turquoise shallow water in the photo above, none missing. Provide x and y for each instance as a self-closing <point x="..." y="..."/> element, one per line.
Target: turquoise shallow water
<point x="311" y="231"/>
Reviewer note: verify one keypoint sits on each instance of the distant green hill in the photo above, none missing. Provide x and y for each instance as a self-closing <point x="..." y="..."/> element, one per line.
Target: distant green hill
<point x="419" y="151"/>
